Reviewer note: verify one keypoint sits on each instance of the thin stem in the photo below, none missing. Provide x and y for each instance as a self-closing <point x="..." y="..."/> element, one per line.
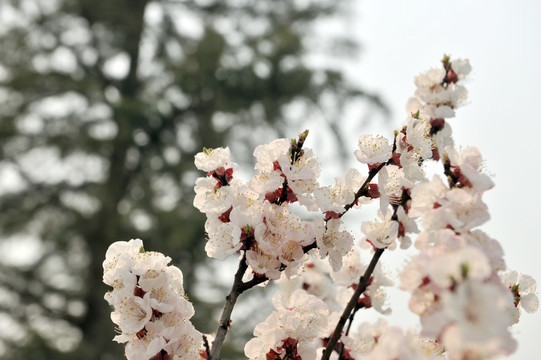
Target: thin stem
<point x="350" y="322"/>
<point x="206" y="344"/>
<point x="363" y="281"/>
<point x="363" y="190"/>
<point x="238" y="288"/>
<point x="225" y="319"/>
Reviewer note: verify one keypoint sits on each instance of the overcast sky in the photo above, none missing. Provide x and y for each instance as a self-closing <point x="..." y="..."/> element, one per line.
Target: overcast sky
<point x="502" y="39"/>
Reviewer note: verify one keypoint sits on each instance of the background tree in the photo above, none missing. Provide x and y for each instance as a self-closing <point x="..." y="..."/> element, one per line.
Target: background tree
<point x="103" y="106"/>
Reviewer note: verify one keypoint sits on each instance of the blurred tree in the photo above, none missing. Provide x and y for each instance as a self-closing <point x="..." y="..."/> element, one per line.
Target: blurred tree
<point x="103" y="106"/>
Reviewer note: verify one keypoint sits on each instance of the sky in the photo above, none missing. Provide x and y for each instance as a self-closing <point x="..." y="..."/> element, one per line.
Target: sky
<point x="502" y="40"/>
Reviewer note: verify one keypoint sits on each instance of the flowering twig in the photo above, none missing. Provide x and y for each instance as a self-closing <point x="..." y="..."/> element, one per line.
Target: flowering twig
<point x="363" y="190"/>
<point x="238" y="288"/>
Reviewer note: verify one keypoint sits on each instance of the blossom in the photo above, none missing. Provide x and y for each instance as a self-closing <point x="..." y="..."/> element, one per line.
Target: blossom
<point x="460" y="209"/>
<point x="490" y="247"/>
<point x="119" y="259"/>
<point x="406" y="225"/>
<point x="425" y="195"/>
<point x="476" y="321"/>
<point x="223" y="238"/>
<point x="391" y="182"/>
<point x="361" y="342"/>
<point x="351" y="269"/>
<point x="269" y="153"/>
<point x="334" y="243"/>
<point x="373" y="149"/>
<point x="453" y="265"/>
<point x="418" y="137"/>
<point x="461" y="67"/>
<point x="282" y="233"/>
<point x="381" y="233"/>
<point x="210" y="197"/>
<point x="212" y="159"/>
<point x="266" y="182"/>
<point x="381" y="342"/>
<point x="150" y="308"/>
<point x="431" y="91"/>
<point x="299" y="318"/>
<point x="263" y="263"/>
<point x="306" y="167"/>
<point x="523" y="288"/>
<point x="430" y="79"/>
<point x="314" y="280"/>
<point x="333" y="198"/>
<point x="466" y="166"/>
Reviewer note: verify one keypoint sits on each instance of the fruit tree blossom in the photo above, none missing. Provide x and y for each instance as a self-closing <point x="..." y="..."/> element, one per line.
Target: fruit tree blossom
<point x="465" y="297"/>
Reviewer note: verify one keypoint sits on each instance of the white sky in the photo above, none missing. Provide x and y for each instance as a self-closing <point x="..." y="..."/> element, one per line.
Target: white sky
<point x="502" y="39"/>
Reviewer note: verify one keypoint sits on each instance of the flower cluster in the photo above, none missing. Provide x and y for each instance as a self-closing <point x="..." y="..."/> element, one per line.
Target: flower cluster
<point x="335" y="288"/>
<point x="150" y="308"/>
<point x="380" y="342"/>
<point x="464" y="295"/>
<point x="290" y="331"/>
<point x="255" y="216"/>
<point x="454" y="281"/>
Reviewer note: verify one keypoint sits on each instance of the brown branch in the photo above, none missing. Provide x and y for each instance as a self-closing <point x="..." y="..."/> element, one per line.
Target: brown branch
<point x="238" y="288"/>
<point x="350" y="322"/>
<point x="363" y="190"/>
<point x="363" y="281"/>
<point x="206" y="345"/>
<point x="225" y="319"/>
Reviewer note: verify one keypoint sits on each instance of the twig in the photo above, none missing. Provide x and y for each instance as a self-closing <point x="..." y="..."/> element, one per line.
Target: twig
<point x="363" y="190"/>
<point x="363" y="281"/>
<point x="206" y="344"/>
<point x="350" y="322"/>
<point x="225" y="319"/>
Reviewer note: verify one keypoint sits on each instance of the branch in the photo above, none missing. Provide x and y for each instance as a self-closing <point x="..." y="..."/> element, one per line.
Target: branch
<point x="351" y="317"/>
<point x="225" y="319"/>
<point x="363" y="281"/>
<point x="206" y="344"/>
<point x="363" y="190"/>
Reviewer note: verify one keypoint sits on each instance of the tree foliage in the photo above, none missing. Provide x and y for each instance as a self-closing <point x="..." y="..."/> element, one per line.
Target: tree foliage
<point x="103" y="106"/>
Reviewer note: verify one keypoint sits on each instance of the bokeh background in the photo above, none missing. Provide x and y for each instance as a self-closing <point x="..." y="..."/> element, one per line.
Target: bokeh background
<point x="104" y="103"/>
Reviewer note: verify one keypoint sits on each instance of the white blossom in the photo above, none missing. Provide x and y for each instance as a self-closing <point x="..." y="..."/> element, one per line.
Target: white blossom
<point x="298" y="319"/>
<point x="381" y="233"/>
<point x="150" y="308"/>
<point x="335" y="243"/>
<point x="523" y="288"/>
<point x="267" y="154"/>
<point x="212" y="159"/>
<point x="373" y="149"/>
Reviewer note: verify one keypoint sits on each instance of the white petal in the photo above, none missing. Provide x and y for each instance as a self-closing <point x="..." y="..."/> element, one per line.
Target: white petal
<point x="530" y="303"/>
<point x="526" y="284"/>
